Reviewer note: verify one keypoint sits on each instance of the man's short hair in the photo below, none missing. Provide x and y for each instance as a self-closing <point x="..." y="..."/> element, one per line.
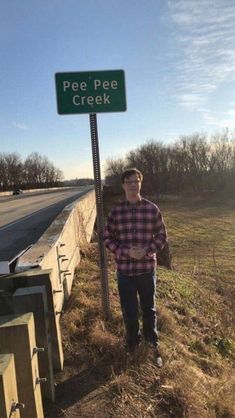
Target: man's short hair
<point x="129" y="172"/>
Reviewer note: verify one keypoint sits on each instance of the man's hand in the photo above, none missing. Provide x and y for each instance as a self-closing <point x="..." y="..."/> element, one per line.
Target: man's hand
<point x="137" y="253"/>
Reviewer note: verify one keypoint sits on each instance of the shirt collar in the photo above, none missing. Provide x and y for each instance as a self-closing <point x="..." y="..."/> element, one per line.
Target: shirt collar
<point x="128" y="204"/>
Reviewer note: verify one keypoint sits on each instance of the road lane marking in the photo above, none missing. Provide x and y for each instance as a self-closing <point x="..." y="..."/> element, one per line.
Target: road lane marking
<point x="22" y="219"/>
<point x="34" y="213"/>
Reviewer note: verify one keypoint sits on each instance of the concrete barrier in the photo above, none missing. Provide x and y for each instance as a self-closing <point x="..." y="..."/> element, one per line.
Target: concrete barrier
<point x="31" y="302"/>
<point x="47" y="268"/>
<point x="59" y="247"/>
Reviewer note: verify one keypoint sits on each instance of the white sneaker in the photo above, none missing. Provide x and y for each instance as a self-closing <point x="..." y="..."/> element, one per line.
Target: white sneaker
<point x="158" y="357"/>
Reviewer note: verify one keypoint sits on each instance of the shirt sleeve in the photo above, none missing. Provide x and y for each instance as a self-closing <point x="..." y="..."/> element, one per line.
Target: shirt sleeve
<point x="111" y="240"/>
<point x="159" y="235"/>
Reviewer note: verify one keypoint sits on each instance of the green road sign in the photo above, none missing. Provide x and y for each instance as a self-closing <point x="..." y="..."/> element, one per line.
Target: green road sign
<point x="90" y="92"/>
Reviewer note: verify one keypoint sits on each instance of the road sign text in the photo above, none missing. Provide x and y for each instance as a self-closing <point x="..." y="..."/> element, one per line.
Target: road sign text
<point x="90" y="92"/>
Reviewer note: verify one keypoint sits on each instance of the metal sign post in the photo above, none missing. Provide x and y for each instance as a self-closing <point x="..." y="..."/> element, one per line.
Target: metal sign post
<point x="100" y="216"/>
<point x="93" y="92"/>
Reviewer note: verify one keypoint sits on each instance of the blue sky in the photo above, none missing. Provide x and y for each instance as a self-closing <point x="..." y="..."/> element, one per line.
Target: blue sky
<point x="179" y="63"/>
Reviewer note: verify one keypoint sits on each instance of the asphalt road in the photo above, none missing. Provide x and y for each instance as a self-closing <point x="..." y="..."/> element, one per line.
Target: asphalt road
<point x="24" y="218"/>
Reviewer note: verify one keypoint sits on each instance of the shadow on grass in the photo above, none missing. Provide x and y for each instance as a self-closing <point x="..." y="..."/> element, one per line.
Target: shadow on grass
<point x="74" y="389"/>
<point x="91" y="383"/>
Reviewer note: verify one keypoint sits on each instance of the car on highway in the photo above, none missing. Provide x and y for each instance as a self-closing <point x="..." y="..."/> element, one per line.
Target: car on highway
<point x="17" y="191"/>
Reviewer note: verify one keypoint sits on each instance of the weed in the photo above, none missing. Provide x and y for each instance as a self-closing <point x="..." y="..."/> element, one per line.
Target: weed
<point x="199" y="347"/>
<point x="224" y="346"/>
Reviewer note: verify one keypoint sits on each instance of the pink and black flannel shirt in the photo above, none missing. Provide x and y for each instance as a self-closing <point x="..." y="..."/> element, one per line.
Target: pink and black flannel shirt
<point x="135" y="225"/>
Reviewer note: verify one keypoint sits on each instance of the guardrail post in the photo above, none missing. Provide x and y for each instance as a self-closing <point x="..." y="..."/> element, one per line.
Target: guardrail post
<point x="34" y="299"/>
<point x="8" y="387"/>
<point x="17" y="336"/>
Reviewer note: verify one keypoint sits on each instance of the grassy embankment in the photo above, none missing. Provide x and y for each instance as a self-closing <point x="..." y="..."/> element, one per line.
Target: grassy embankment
<point x="195" y="307"/>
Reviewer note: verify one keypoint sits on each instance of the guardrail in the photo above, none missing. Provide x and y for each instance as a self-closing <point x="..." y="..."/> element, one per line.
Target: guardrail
<point x="31" y="303"/>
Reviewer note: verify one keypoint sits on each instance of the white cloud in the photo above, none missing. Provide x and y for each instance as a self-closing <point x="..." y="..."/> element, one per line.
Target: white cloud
<point x="218" y="119"/>
<point x="190" y="100"/>
<point x="20" y="126"/>
<point x="230" y="112"/>
<point x="205" y="43"/>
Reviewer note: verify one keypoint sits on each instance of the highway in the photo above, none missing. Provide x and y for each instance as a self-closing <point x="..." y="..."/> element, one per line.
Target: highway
<point x="24" y="218"/>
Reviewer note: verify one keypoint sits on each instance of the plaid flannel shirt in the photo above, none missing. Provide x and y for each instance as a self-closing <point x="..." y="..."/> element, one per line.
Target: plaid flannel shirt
<point x="139" y="225"/>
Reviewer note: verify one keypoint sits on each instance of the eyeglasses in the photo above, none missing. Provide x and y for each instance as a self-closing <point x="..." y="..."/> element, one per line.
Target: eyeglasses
<point x="132" y="181"/>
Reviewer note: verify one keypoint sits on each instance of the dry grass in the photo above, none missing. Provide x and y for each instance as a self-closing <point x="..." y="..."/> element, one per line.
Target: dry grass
<point x="196" y="331"/>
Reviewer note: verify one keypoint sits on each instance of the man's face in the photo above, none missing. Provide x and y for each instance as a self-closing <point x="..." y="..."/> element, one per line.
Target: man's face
<point x="132" y="185"/>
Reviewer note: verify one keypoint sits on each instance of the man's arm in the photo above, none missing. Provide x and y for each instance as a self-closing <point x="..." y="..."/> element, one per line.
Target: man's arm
<point x="159" y="235"/>
<point x="111" y="237"/>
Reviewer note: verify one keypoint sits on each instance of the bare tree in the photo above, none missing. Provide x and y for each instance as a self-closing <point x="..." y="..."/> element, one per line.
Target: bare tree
<point x="39" y="171"/>
<point x="13" y="169"/>
<point x="35" y="171"/>
<point x="222" y="159"/>
<point x="113" y="171"/>
<point x="3" y="172"/>
<point x="195" y="153"/>
<point x="192" y="164"/>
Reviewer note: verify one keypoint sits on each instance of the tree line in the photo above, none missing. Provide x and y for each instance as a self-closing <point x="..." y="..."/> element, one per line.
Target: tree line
<point x="79" y="182"/>
<point x="193" y="163"/>
<point x="36" y="171"/>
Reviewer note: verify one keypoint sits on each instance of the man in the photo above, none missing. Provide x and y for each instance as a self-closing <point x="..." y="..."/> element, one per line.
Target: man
<point x="135" y="233"/>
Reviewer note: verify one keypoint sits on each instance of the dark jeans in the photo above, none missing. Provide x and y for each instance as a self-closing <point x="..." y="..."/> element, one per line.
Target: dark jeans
<point x="129" y="289"/>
